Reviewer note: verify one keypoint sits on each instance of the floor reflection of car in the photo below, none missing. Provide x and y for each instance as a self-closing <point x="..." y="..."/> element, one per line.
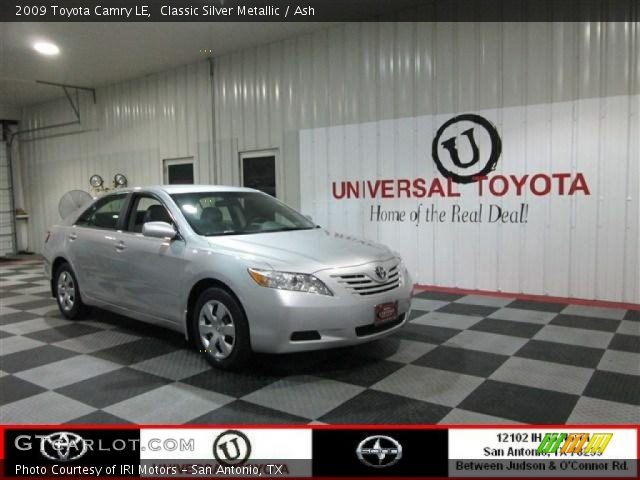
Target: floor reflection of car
<point x="234" y="269"/>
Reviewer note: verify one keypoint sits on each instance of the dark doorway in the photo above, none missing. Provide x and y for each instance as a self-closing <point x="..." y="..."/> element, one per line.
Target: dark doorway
<point x="178" y="172"/>
<point x="259" y="172"/>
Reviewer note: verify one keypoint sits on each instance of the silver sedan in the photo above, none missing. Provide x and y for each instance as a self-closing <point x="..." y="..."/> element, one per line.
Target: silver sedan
<point x="234" y="269"/>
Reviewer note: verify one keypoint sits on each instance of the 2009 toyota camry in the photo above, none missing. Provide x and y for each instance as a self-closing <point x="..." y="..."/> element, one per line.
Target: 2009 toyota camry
<point x="233" y="268"/>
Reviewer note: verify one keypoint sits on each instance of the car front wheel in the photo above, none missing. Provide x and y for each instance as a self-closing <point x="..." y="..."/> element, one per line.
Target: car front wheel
<point x="68" y="293"/>
<point x="220" y="329"/>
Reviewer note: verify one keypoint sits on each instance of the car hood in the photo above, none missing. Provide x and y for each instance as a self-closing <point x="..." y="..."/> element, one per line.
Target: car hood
<point x="305" y="251"/>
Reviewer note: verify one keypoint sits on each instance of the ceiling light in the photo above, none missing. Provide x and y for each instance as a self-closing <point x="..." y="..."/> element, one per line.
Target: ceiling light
<point x="46" y="48"/>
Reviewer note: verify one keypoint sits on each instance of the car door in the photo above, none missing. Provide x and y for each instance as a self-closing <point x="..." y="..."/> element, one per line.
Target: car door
<point x="91" y="246"/>
<point x="152" y="268"/>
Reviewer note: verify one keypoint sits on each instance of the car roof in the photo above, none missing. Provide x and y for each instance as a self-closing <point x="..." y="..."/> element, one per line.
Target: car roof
<point x="172" y="189"/>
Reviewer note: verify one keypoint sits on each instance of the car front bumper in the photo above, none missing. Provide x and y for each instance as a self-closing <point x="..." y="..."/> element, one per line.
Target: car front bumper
<point x="340" y="320"/>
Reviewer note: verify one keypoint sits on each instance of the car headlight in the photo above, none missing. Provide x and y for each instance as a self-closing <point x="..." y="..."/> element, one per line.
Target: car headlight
<point x="402" y="269"/>
<point x="298" y="282"/>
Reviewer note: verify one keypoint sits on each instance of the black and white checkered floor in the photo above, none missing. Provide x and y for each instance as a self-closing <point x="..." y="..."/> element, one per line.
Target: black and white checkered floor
<point x="461" y="359"/>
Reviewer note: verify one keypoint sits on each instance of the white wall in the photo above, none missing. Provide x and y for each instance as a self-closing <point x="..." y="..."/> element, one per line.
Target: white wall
<point x="571" y="84"/>
<point x="131" y="128"/>
<point x="572" y="243"/>
<point x="371" y="72"/>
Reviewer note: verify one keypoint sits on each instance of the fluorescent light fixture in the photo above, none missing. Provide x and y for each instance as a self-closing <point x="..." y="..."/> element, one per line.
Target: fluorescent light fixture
<point x="46" y="48"/>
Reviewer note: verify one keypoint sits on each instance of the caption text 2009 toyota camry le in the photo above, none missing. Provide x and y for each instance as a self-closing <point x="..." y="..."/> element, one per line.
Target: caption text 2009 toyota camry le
<point x="233" y="268"/>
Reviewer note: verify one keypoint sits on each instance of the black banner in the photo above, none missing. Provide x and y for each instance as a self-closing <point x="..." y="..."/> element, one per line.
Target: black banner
<point x="316" y="10"/>
<point x="69" y="452"/>
<point x="380" y="453"/>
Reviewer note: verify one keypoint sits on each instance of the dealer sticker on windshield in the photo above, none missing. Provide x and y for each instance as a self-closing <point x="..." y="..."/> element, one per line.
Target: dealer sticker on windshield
<point x="385" y="312"/>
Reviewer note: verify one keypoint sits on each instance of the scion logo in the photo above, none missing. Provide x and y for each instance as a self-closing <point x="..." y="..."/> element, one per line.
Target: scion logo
<point x="231" y="447"/>
<point x="63" y="446"/>
<point x="465" y="147"/>
<point x="379" y="451"/>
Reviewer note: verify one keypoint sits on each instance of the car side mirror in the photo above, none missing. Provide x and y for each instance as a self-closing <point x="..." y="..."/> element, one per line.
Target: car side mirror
<point x="159" y="230"/>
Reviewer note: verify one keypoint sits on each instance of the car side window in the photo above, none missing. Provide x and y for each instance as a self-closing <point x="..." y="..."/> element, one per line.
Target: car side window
<point x="104" y="213"/>
<point x="146" y="209"/>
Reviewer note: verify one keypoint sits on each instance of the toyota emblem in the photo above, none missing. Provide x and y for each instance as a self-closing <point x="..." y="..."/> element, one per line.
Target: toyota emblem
<point x="63" y="446"/>
<point x="381" y="273"/>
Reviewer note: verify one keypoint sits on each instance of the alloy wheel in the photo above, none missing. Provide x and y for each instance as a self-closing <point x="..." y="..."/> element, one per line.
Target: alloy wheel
<point x="216" y="329"/>
<point x="66" y="291"/>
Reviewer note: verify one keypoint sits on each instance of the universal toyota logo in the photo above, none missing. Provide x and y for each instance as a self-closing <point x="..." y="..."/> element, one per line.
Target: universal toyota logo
<point x="63" y="446"/>
<point x="465" y="147"/>
<point x="379" y="451"/>
<point x="231" y="447"/>
<point x="381" y="273"/>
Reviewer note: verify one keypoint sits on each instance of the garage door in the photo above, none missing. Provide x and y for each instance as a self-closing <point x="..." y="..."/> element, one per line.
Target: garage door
<point x="6" y="220"/>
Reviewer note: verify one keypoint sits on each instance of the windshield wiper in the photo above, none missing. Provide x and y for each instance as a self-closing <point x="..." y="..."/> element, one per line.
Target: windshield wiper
<point x="220" y="234"/>
<point x="253" y="232"/>
<point x="285" y="229"/>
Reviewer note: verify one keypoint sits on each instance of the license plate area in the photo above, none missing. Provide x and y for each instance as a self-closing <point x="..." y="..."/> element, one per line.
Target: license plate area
<point x="385" y="312"/>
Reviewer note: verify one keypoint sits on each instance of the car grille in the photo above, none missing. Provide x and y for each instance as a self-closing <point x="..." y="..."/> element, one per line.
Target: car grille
<point x="363" y="284"/>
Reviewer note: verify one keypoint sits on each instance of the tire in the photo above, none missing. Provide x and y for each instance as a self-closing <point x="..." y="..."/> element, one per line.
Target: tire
<point x="220" y="329"/>
<point x="67" y="292"/>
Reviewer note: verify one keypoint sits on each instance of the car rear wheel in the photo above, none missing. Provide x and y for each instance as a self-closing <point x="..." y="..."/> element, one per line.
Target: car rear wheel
<point x="68" y="293"/>
<point x="220" y="329"/>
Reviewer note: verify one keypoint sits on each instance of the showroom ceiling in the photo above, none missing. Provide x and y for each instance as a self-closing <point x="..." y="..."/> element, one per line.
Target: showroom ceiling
<point x="97" y="54"/>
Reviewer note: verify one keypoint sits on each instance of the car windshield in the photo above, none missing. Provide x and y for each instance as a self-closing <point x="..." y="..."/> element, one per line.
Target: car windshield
<point x="238" y="213"/>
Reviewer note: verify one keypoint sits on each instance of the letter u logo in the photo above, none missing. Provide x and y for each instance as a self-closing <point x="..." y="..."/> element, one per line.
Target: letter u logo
<point x="225" y="449"/>
<point x="457" y="165"/>
<point x="450" y="145"/>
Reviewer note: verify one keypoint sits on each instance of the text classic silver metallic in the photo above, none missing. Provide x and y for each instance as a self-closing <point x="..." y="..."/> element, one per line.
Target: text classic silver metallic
<point x="233" y="268"/>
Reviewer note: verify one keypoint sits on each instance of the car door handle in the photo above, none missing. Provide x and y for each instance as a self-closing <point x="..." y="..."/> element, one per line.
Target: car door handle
<point x="120" y="246"/>
<point x="72" y="236"/>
